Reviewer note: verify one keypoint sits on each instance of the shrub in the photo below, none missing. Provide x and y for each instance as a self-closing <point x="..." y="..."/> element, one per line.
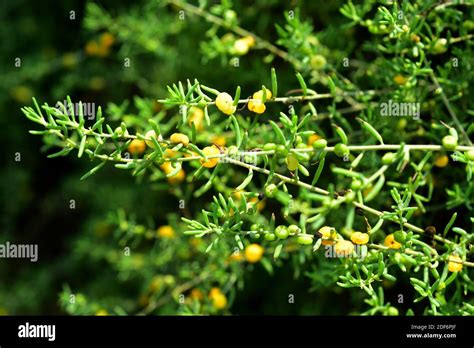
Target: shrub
<point x="344" y="151"/>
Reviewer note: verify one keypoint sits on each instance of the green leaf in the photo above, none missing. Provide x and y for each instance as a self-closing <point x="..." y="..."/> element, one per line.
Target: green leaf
<point x="274" y="83"/>
<point x="238" y="134"/>
<point x="340" y="132"/>
<point x="276" y="253"/>
<point x="237" y="96"/>
<point x="239" y="242"/>
<point x="82" y="146"/>
<point x="302" y="84"/>
<point x="369" y="128"/>
<point x="247" y="180"/>
<point x="318" y="171"/>
<point x="278" y="132"/>
<point x="93" y="170"/>
<point x="61" y="153"/>
<point x="450" y="224"/>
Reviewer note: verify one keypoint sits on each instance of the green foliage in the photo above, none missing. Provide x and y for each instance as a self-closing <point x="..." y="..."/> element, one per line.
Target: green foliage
<point x="366" y="126"/>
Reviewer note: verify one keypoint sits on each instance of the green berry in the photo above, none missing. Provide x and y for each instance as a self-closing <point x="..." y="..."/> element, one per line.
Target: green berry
<point x="269" y="147"/>
<point x="320" y="144"/>
<point x="400" y="236"/>
<point x="470" y="155"/>
<point x="232" y="150"/>
<point x="356" y="184"/>
<point x="292" y="162"/>
<point x="450" y="143"/>
<point x="281" y="150"/>
<point x="440" y="46"/>
<point x="388" y="158"/>
<point x="271" y="190"/>
<point x="281" y="232"/>
<point x="304" y="240"/>
<point x="254" y="236"/>
<point x="299" y="139"/>
<point x="392" y="311"/>
<point x="341" y="150"/>
<point x="293" y="229"/>
<point x="270" y="237"/>
<point x="254" y="227"/>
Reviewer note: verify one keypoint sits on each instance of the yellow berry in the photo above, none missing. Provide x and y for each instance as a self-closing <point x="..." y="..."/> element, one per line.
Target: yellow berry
<point x="214" y="291"/>
<point x="441" y="161"/>
<point x="250" y="40"/>
<point x="259" y="94"/>
<point x="179" y="138"/>
<point x="224" y="103"/>
<point x="253" y="253"/>
<point x="136" y="147"/>
<point x="454" y="264"/>
<point x="196" y="116"/>
<point x="177" y="178"/>
<point x="165" y="231"/>
<point x="344" y="248"/>
<point x="400" y="79"/>
<point x="241" y="47"/>
<point x="210" y="151"/>
<point x="218" y="140"/>
<point x="257" y="106"/>
<point x="391" y="242"/>
<point x="328" y="234"/>
<point x="219" y="301"/>
<point x="359" y="238"/>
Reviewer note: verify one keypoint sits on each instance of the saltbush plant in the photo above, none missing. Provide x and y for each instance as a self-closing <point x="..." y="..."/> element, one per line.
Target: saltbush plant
<point x="346" y="155"/>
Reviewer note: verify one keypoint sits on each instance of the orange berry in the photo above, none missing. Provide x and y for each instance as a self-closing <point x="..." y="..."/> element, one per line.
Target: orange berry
<point x="391" y="242"/>
<point x="107" y="39"/>
<point x="136" y="147"/>
<point x="196" y="294"/>
<point x="210" y="151"/>
<point x="313" y="138"/>
<point x="92" y="48"/>
<point x="400" y="79"/>
<point x="441" y="161"/>
<point x="179" y="138"/>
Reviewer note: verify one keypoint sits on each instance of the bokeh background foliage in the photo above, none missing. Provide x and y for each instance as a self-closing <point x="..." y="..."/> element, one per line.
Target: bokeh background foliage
<point x="81" y="249"/>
